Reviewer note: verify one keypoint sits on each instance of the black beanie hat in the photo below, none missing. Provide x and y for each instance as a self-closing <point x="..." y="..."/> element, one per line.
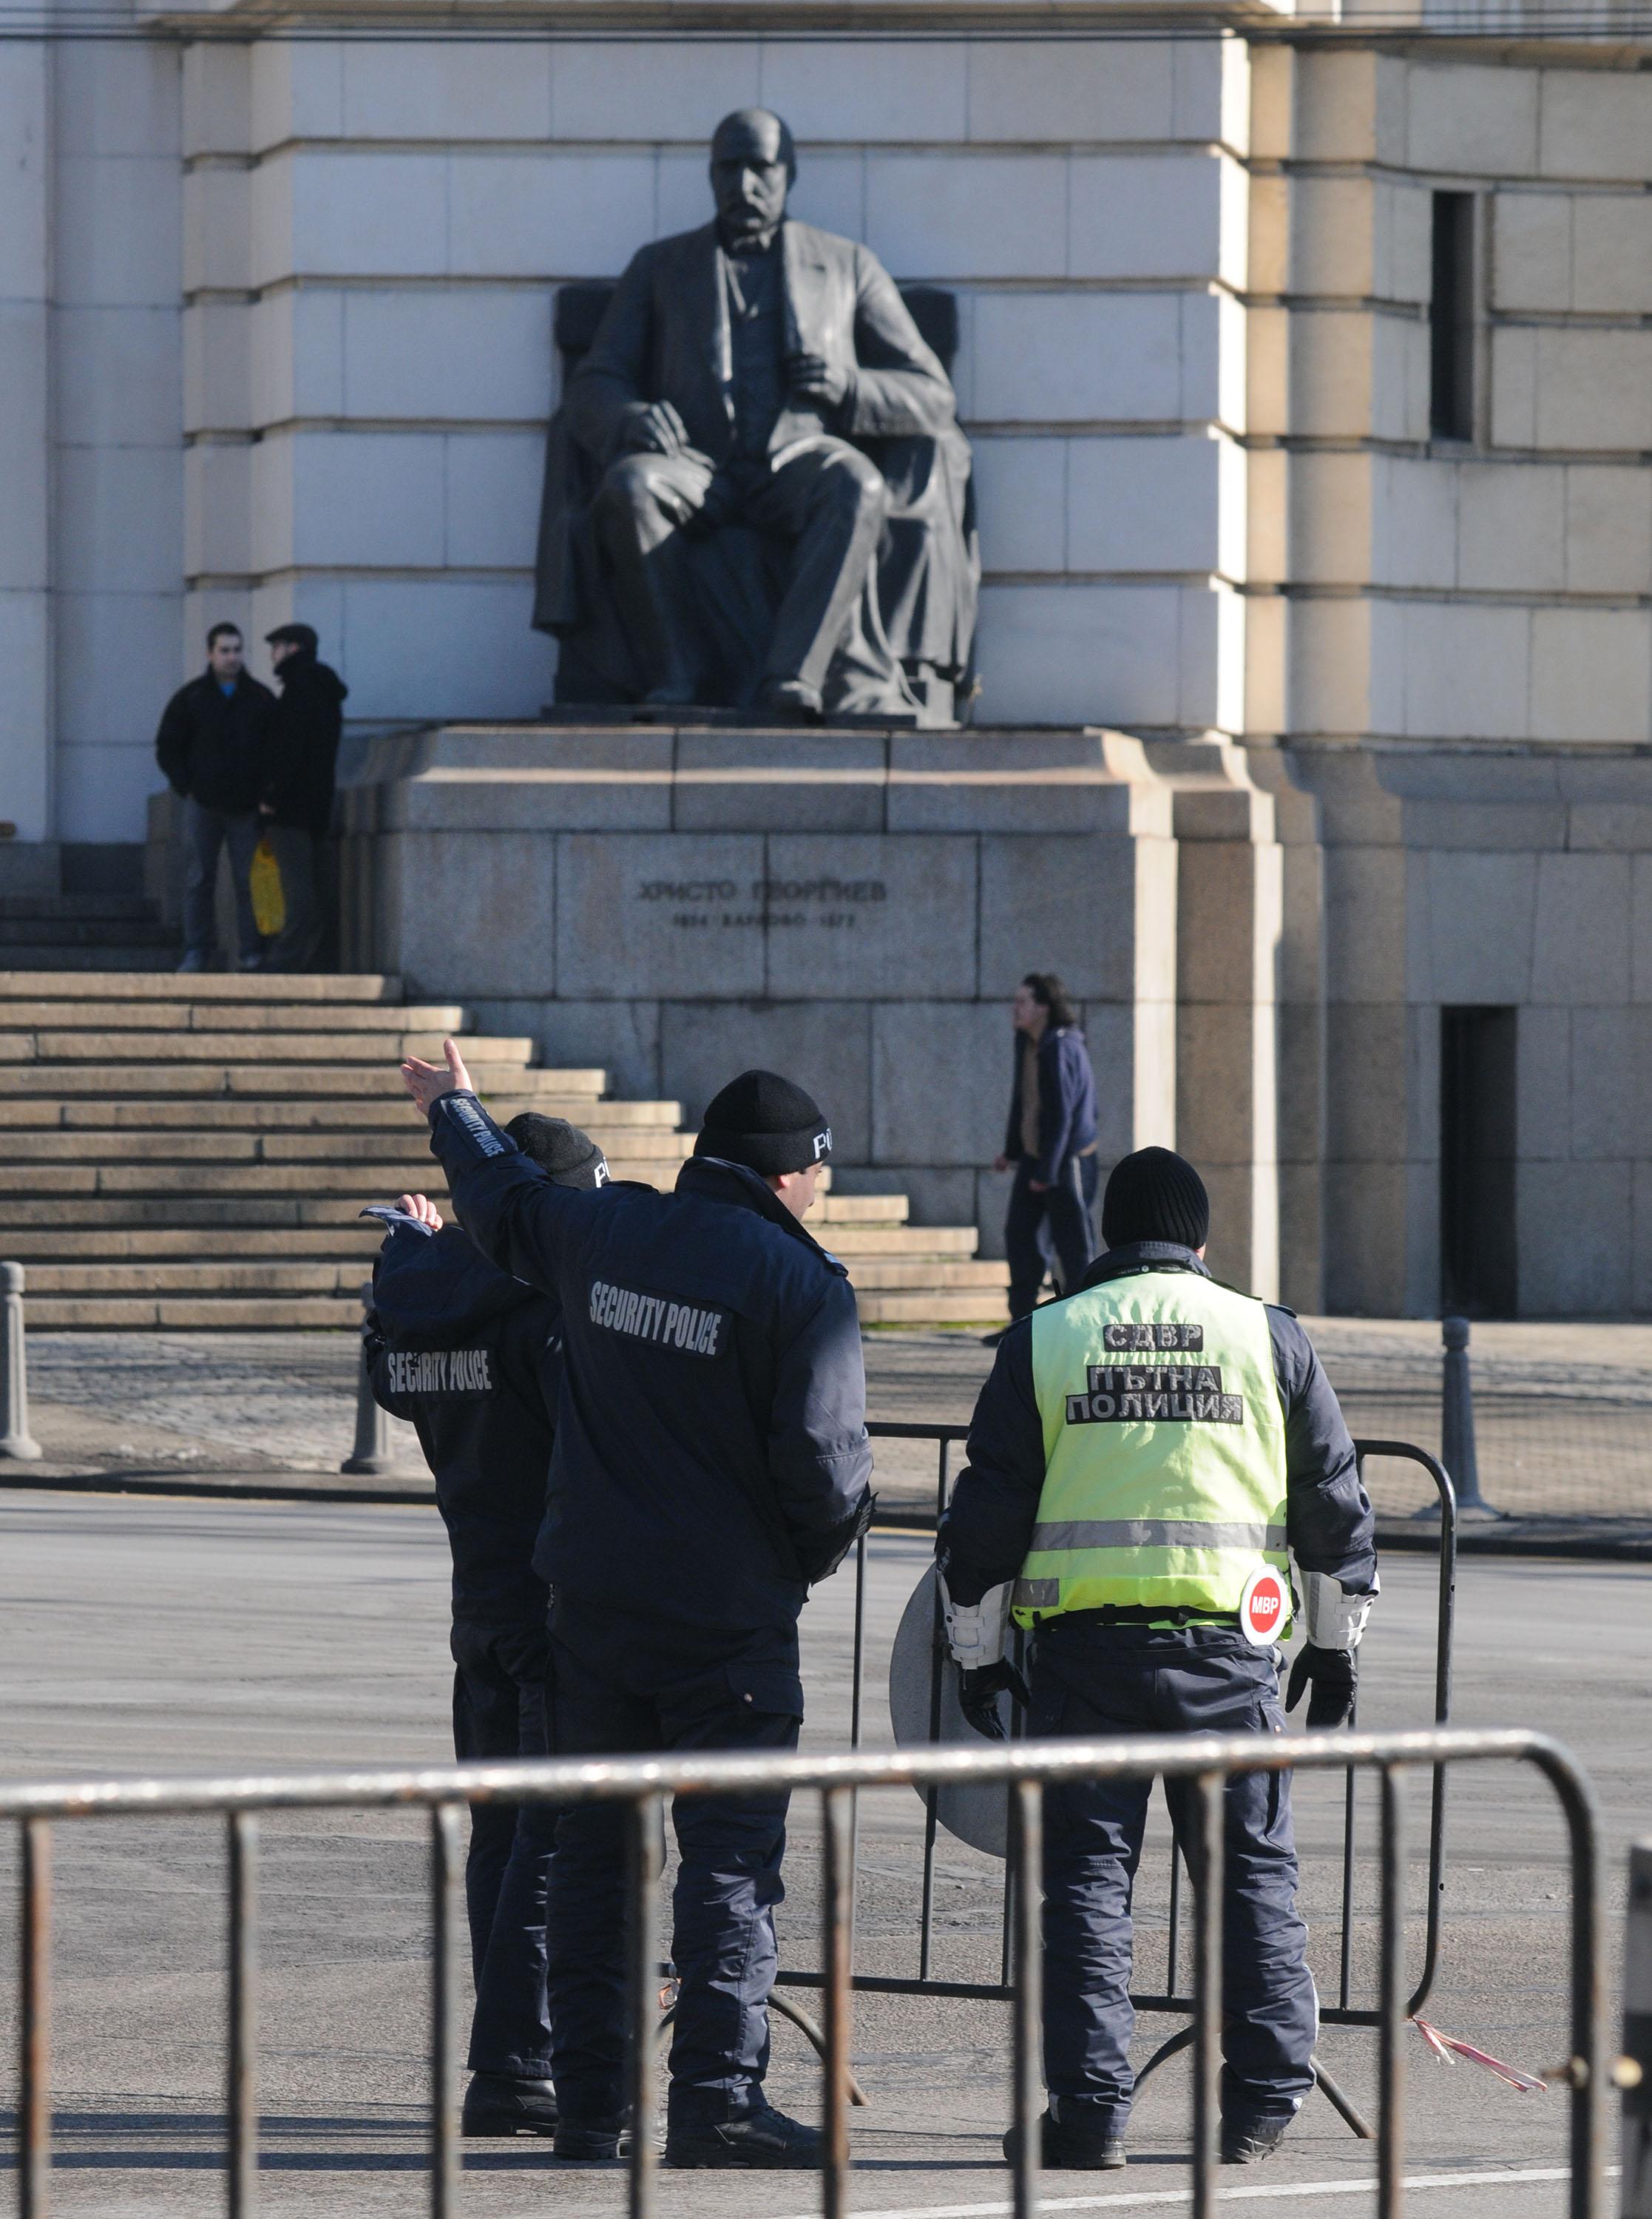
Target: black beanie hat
<point x="764" y="1121"/>
<point x="1155" y="1195"/>
<point x="567" y="1156"/>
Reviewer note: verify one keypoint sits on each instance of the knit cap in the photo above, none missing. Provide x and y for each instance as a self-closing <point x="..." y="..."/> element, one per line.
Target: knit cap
<point x="764" y="1121"/>
<point x="566" y="1155"/>
<point x="1155" y="1195"/>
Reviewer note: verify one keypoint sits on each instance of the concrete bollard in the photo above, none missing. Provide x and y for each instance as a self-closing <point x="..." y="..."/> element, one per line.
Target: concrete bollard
<point x="16" y="1439"/>
<point x="1457" y="1423"/>
<point x="371" y="1454"/>
<point x="1634" y="2073"/>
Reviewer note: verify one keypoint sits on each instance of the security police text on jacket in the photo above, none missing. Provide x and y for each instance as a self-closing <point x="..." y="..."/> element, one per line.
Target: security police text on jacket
<point x="711" y="1461"/>
<point x="473" y="1358"/>
<point x="1141" y="1458"/>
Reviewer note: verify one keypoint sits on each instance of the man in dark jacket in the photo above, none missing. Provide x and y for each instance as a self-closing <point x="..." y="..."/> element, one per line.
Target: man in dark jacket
<point x="1050" y="1141"/>
<point x="211" y="746"/>
<point x="1141" y="1459"/>
<point x="473" y="1358"/>
<point x="295" y="802"/>
<point x="711" y="1464"/>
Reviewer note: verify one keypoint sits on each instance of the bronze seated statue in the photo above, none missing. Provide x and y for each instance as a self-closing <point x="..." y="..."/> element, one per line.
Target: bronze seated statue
<point x="757" y="499"/>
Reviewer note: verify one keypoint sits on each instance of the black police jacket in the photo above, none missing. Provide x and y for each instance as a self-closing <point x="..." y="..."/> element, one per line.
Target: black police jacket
<point x="711" y="1457"/>
<point x="213" y="746"/>
<point x="471" y="1357"/>
<point x="988" y="1528"/>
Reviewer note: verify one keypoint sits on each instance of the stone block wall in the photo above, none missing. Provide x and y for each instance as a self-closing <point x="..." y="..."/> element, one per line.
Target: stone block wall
<point x="377" y="230"/>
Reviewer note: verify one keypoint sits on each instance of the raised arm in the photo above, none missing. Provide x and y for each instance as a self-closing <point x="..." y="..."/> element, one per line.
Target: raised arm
<point x="502" y="1199"/>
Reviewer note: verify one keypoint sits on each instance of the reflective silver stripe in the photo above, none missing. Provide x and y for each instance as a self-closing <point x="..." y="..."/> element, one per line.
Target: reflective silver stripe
<point x="1152" y="1533"/>
<point x="1038" y="1594"/>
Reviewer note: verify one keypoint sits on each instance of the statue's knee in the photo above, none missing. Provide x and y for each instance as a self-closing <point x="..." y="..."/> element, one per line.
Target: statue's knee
<point x="631" y="491"/>
<point x="858" y="484"/>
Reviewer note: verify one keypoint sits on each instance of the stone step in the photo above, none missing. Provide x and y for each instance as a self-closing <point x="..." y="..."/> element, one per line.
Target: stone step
<point x="56" y="1013"/>
<point x="42" y="1226"/>
<point x="388" y="1047"/>
<point x="285" y="1081"/>
<point x="395" y="1114"/>
<point x="274" y="1276"/>
<point x="24" y="938"/>
<point x="406" y="1145"/>
<point x="167" y="985"/>
<point x="939" y="1306"/>
<point x="105" y="964"/>
<point x="117" y="909"/>
<point x="229" y="1313"/>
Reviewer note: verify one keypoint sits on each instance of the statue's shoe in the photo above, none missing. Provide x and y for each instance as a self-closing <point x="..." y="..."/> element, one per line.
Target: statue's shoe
<point x="789" y="700"/>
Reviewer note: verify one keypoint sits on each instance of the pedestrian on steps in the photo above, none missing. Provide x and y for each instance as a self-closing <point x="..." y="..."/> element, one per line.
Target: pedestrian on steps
<point x="295" y="799"/>
<point x="212" y="744"/>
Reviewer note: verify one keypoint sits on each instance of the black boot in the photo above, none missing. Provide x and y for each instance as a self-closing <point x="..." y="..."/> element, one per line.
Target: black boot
<point x="499" y="2104"/>
<point x="591" y="2141"/>
<point x="1083" y="2141"/>
<point x="764" y="2138"/>
<point x="1247" y="2142"/>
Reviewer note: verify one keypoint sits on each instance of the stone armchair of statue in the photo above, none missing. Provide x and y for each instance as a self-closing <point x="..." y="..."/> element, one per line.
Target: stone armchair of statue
<point x="926" y="577"/>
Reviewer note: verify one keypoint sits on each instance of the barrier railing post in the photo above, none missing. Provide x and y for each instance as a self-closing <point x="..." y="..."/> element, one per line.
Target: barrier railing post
<point x="34" y="2025"/>
<point x="16" y="1442"/>
<point x="1209" y="1805"/>
<point x="1391" y="2001"/>
<point x="447" y="1866"/>
<point x="371" y="1454"/>
<point x="1026" y="1815"/>
<point x="647" y="1845"/>
<point x="1457" y="1422"/>
<point x="838" y="1845"/>
<point x="243" y="2015"/>
<point x="1637" y="2036"/>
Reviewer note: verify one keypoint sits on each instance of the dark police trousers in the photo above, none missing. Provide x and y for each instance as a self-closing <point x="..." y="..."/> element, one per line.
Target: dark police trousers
<point x="498" y="1711"/>
<point x="1092" y="1679"/>
<point x="620" y="1687"/>
<point x="1063" y="1209"/>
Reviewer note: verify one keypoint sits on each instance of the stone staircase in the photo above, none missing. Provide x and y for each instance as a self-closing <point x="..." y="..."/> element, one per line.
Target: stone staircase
<point x="192" y="1152"/>
<point x="82" y="932"/>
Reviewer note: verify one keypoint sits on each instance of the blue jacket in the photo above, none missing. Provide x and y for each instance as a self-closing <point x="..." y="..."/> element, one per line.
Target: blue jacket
<point x="472" y="1357"/>
<point x="1066" y="1103"/>
<point x="711" y="1457"/>
<point x="988" y="1528"/>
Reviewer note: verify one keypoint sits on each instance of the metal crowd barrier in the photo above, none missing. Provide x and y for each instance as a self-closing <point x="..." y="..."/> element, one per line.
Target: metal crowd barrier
<point x="1171" y="1999"/>
<point x="644" y="1784"/>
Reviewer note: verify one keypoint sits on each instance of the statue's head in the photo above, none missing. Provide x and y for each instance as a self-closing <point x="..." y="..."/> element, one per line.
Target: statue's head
<point x="753" y="164"/>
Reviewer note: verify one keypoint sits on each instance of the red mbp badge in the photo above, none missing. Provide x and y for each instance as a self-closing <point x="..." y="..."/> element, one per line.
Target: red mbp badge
<point x="1264" y="1605"/>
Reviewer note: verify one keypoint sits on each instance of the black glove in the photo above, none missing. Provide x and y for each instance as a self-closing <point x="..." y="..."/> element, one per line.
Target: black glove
<point x="1334" y="1676"/>
<point x="978" y="1692"/>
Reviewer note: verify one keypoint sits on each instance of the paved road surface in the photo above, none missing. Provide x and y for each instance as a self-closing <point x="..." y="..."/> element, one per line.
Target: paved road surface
<point x="137" y="1634"/>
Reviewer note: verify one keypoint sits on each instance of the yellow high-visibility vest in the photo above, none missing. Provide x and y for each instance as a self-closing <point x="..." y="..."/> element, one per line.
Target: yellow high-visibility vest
<point x="1163" y="1449"/>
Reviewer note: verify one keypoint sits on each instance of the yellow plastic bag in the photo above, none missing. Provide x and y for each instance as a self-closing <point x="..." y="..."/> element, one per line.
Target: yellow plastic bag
<point x="269" y="901"/>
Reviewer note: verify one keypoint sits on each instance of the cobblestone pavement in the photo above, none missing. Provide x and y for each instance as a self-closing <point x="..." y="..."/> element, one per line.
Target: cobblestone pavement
<point x="1563" y="1413"/>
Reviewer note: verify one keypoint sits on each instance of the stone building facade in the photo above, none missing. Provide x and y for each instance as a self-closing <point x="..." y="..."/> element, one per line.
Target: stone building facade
<point x="1308" y="368"/>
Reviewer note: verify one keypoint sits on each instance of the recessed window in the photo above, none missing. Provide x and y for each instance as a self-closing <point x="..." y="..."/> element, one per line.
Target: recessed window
<point x="1451" y="318"/>
<point x="1478" y="1163"/>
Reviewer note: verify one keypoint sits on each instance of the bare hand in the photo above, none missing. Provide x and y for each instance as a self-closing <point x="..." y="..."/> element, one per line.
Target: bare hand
<point x="428" y="1082"/>
<point x="1001" y="1163"/>
<point x="814" y="378"/>
<point x="655" y="430"/>
<point x="421" y="1207"/>
<point x="1038" y="1186"/>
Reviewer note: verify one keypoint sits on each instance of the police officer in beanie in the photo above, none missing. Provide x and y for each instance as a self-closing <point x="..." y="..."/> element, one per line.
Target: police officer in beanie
<point x="472" y="1358"/>
<point x="710" y="1465"/>
<point x="1142" y="1457"/>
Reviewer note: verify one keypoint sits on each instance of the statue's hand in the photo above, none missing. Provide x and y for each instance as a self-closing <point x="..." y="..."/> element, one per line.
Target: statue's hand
<point x="814" y="378"/>
<point x="654" y="428"/>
